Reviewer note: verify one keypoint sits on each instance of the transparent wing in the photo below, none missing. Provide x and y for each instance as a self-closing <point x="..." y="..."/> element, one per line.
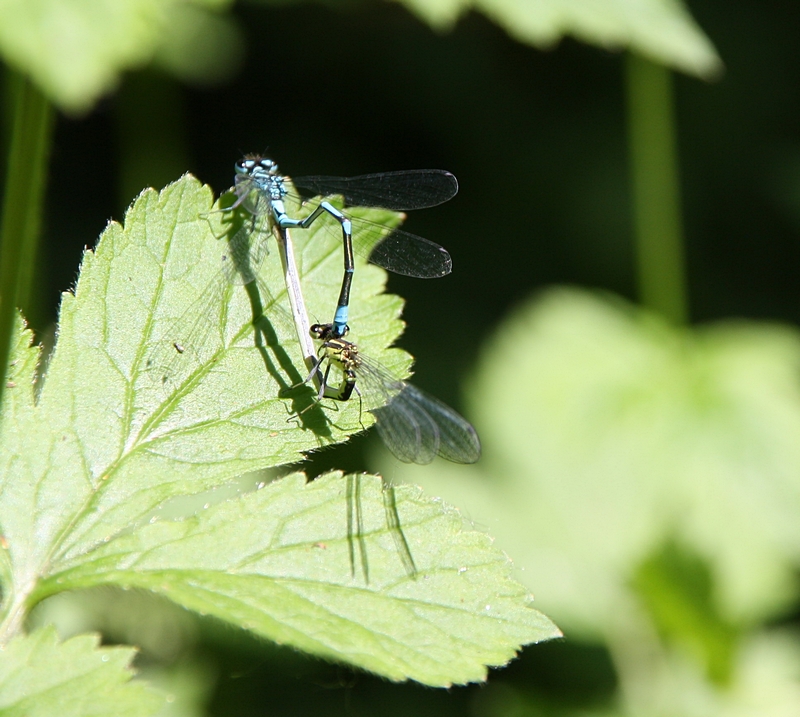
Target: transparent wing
<point x="395" y="250"/>
<point x="189" y="339"/>
<point x="410" y="255"/>
<point x="399" y="191"/>
<point x="407" y="432"/>
<point x="414" y="425"/>
<point x="248" y="243"/>
<point x="457" y="439"/>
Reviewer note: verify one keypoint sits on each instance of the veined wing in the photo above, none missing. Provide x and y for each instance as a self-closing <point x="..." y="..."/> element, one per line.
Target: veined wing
<point x="247" y="246"/>
<point x="186" y="340"/>
<point x="409" y="255"/>
<point x="399" y="191"/>
<point x="395" y="250"/>
<point x="414" y="425"/>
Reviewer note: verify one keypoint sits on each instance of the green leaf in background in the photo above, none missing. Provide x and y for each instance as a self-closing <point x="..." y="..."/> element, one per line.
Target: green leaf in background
<point x="40" y="677"/>
<point x="676" y="588"/>
<point x="202" y="47"/>
<point x="662" y="31"/>
<point x="441" y="14"/>
<point x="76" y="51"/>
<point x="116" y="434"/>
<point x="609" y="436"/>
<point x="764" y="682"/>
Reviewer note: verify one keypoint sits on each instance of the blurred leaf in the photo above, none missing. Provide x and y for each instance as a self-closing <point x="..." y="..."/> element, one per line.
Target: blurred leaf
<point x="76" y="50"/>
<point x="606" y="433"/>
<point x="41" y="677"/>
<point x="438" y="13"/>
<point x="202" y="47"/>
<point x="765" y="683"/>
<point x="677" y="589"/>
<point x="188" y="687"/>
<point x="768" y="674"/>
<point x="162" y="631"/>
<point x="116" y="434"/>
<point x="661" y="30"/>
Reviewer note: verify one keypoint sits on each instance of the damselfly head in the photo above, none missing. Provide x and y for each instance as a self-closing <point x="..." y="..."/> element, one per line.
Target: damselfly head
<point x="255" y="164"/>
<point x="324" y="332"/>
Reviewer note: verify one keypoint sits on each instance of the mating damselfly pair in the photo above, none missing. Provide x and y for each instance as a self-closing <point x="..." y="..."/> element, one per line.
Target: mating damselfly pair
<point x="414" y="426"/>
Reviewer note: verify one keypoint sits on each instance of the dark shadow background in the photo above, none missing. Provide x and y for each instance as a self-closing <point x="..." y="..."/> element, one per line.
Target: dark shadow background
<point x="537" y="141"/>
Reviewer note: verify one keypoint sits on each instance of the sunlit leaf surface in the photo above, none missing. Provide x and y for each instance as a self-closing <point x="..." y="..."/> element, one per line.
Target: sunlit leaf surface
<point x="321" y="566"/>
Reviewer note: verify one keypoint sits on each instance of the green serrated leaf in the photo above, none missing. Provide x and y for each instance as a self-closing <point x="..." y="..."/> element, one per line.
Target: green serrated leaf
<point x="110" y="439"/>
<point x="76" y="51"/>
<point x="661" y="30"/>
<point x="116" y="437"/>
<point x="16" y="411"/>
<point x="320" y="566"/>
<point x="329" y="567"/>
<point x="41" y="677"/>
<point x="23" y="359"/>
<point x="606" y="433"/>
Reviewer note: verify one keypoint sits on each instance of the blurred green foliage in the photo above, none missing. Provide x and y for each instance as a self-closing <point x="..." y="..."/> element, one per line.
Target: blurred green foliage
<point x="76" y="51"/>
<point x="643" y="476"/>
<point x="677" y="589"/>
<point x="646" y="479"/>
<point x="662" y="31"/>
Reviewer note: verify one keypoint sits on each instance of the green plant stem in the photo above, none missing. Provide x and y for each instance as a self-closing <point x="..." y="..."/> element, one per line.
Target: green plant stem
<point x="656" y="189"/>
<point x="29" y="150"/>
